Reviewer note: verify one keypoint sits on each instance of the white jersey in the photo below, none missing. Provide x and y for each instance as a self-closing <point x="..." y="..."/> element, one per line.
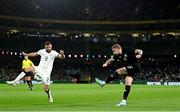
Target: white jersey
<point x="47" y="60"/>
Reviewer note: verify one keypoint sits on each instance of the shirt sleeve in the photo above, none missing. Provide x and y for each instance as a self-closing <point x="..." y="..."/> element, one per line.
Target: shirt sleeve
<point x="56" y="54"/>
<point x="39" y="52"/>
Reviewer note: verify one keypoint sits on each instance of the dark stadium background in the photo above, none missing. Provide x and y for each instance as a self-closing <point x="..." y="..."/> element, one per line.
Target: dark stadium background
<point x="85" y="30"/>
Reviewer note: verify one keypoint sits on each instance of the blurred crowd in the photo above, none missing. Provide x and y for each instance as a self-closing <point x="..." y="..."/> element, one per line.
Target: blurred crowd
<point x="84" y="73"/>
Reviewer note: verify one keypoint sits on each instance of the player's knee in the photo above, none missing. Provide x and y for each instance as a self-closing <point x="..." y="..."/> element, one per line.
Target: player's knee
<point x="128" y="80"/>
<point x="46" y="88"/>
<point x="120" y="71"/>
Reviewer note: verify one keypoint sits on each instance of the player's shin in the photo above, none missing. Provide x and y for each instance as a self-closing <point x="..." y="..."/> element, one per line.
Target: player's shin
<point x="126" y="91"/>
<point x="47" y="90"/>
<point x="20" y="76"/>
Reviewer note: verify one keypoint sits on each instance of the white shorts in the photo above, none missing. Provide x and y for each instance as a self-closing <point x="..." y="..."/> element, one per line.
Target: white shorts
<point x="45" y="77"/>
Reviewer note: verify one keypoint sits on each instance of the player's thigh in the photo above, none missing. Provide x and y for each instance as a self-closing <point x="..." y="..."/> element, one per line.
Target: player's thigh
<point x="122" y="71"/>
<point x="46" y="87"/>
<point x="28" y="78"/>
<point x="128" y="80"/>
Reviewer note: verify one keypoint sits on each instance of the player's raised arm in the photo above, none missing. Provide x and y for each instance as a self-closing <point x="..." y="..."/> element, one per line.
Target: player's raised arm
<point x="138" y="53"/>
<point x="33" y="54"/>
<point x="108" y="62"/>
<point x="61" y="54"/>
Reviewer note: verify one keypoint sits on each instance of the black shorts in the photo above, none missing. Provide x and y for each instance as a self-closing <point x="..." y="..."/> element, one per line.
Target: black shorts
<point x="28" y="74"/>
<point x="132" y="69"/>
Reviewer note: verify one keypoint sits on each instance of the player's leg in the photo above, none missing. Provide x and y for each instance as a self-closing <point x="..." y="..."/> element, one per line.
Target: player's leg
<point x="21" y="75"/>
<point x="48" y="91"/>
<point x="128" y="82"/>
<point x="29" y="82"/>
<point x="128" y="71"/>
<point x="46" y="81"/>
<point x="107" y="80"/>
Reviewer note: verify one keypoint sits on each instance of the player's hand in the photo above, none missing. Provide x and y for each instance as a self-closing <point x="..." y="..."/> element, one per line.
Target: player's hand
<point x="105" y="65"/>
<point x="61" y="52"/>
<point x="138" y="56"/>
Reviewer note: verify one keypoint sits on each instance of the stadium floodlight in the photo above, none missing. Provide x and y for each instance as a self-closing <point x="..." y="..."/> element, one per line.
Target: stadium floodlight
<point x="175" y="56"/>
<point x="15" y="53"/>
<point x="11" y="53"/>
<point x="81" y="56"/>
<point x="93" y="56"/>
<point x="171" y="33"/>
<point x="135" y="35"/>
<point x="87" y="34"/>
<point x="75" y="55"/>
<point x="155" y="34"/>
<point x="69" y="56"/>
<point x="2" y="52"/>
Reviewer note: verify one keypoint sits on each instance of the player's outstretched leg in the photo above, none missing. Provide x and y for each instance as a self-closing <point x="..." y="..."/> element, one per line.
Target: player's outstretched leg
<point x="107" y="80"/>
<point x="19" y="77"/>
<point x="100" y="82"/>
<point x="47" y="90"/>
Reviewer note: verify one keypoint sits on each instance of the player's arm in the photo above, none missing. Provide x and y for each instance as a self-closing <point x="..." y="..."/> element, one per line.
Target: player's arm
<point x="138" y="53"/>
<point x="61" y="54"/>
<point x="33" y="54"/>
<point x="109" y="61"/>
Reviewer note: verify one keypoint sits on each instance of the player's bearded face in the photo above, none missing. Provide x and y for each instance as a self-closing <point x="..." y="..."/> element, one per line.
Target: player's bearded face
<point x="48" y="48"/>
<point x="116" y="51"/>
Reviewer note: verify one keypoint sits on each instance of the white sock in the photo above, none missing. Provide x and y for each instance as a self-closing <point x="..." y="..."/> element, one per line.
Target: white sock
<point x="50" y="96"/>
<point x="21" y="75"/>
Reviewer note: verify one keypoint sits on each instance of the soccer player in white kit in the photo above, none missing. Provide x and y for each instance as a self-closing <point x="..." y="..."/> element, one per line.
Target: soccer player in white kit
<point x="45" y="66"/>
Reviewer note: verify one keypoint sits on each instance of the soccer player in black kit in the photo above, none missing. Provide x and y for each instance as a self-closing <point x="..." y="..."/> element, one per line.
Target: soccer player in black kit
<point x="127" y="62"/>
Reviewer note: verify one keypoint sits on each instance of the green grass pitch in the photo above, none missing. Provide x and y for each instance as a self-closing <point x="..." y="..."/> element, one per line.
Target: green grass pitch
<point x="89" y="97"/>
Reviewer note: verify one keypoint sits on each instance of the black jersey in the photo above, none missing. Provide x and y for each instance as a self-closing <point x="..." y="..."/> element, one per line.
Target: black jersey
<point x="127" y="57"/>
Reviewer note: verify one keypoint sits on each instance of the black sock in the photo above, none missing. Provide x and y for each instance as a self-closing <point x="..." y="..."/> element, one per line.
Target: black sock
<point x="47" y="93"/>
<point x="126" y="91"/>
<point x="29" y="84"/>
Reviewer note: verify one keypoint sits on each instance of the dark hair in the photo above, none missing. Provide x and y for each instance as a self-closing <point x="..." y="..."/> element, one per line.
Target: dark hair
<point x="47" y="43"/>
<point x="116" y="46"/>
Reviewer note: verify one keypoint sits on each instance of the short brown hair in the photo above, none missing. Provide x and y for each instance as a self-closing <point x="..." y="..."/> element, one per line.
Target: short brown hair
<point x="47" y="43"/>
<point x="116" y="46"/>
